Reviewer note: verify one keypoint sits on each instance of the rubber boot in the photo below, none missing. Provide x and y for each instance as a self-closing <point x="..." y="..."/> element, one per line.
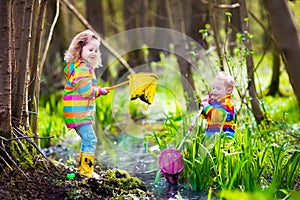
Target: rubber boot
<point x="86" y="164"/>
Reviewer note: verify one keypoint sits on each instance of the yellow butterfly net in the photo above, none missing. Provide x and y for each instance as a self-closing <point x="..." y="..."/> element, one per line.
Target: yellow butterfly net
<point x="142" y="86"/>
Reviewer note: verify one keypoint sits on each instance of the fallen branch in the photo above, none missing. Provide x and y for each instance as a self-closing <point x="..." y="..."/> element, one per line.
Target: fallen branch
<point x="7" y="164"/>
<point x="26" y="137"/>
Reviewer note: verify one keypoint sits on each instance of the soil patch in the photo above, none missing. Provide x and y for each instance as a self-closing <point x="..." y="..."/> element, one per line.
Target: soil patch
<point x="49" y="181"/>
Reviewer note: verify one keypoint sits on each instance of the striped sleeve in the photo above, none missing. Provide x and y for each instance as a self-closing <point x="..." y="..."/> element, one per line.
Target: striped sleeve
<point x="206" y="111"/>
<point x="98" y="91"/>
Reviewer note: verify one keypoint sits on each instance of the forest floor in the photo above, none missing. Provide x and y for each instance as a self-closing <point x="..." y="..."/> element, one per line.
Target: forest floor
<point x="50" y="181"/>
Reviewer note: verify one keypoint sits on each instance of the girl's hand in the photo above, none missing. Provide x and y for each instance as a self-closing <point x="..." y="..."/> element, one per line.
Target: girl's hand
<point x="104" y="91"/>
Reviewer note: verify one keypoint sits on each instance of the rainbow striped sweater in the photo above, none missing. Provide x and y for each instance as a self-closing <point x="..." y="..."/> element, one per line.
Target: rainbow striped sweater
<point x="220" y="113"/>
<point x="80" y="93"/>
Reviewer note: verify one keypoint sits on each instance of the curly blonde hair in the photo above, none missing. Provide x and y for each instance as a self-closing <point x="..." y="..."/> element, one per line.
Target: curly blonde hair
<point x="226" y="78"/>
<point x="73" y="54"/>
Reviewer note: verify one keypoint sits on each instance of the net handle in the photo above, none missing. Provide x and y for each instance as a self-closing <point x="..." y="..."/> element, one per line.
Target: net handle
<point x="118" y="85"/>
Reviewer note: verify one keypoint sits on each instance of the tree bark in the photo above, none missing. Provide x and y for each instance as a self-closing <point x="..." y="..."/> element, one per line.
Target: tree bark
<point x="199" y="17"/>
<point x="256" y="109"/>
<point x="284" y="29"/>
<point x="5" y="69"/>
<point x="35" y="76"/>
<point x="161" y="21"/>
<point x="176" y="18"/>
<point x="213" y="22"/>
<point x="9" y="130"/>
<point x="274" y="85"/>
<point x="17" y="18"/>
<point x="235" y="26"/>
<point x="94" y="14"/>
<point x="134" y="17"/>
<point x="23" y="64"/>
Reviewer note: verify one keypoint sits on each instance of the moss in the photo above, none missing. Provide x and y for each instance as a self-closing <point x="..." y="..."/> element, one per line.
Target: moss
<point x="119" y="184"/>
<point x="23" y="152"/>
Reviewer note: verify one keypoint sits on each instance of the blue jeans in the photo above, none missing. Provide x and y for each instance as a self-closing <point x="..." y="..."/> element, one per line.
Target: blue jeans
<point x="88" y="137"/>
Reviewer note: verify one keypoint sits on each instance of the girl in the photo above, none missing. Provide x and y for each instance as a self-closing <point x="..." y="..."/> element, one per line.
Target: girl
<point x="80" y="92"/>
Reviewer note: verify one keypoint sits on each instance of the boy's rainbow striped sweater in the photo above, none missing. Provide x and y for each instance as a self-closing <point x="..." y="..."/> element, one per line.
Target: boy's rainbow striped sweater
<point x="80" y="93"/>
<point x="220" y="113"/>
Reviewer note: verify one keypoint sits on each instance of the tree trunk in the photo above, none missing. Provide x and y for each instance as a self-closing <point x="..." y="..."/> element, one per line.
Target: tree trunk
<point x="5" y="69"/>
<point x="35" y="76"/>
<point x="135" y="17"/>
<point x="213" y="22"/>
<point x="176" y="17"/>
<point x="17" y="19"/>
<point x="285" y="31"/>
<point x="95" y="16"/>
<point x="272" y="45"/>
<point x="14" y="152"/>
<point x="161" y="15"/>
<point x="256" y="109"/>
<point x="199" y="18"/>
<point x="161" y="21"/>
<point x="235" y="26"/>
<point x="23" y="64"/>
<point x="274" y="85"/>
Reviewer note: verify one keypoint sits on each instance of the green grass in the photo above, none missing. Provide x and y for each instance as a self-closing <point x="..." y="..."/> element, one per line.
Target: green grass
<point x="260" y="158"/>
<point x="50" y="121"/>
<point x="282" y="108"/>
<point x="261" y="163"/>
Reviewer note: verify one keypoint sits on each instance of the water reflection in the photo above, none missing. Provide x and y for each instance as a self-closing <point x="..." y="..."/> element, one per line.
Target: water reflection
<point x="129" y="154"/>
<point x="165" y="191"/>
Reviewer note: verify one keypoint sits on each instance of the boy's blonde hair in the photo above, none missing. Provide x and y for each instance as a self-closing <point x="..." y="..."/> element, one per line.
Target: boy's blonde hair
<point x="226" y="78"/>
<point x="73" y="54"/>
